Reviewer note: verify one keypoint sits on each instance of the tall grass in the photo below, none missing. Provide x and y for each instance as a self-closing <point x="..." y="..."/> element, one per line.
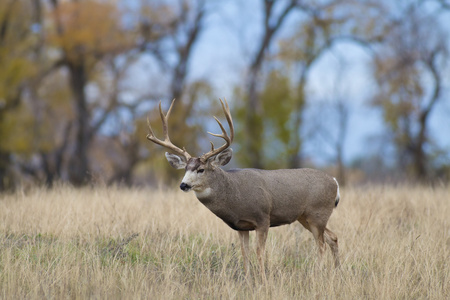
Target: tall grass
<point x="156" y="244"/>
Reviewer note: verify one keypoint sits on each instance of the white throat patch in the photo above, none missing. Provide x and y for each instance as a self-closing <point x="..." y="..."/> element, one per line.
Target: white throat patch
<point x="204" y="193"/>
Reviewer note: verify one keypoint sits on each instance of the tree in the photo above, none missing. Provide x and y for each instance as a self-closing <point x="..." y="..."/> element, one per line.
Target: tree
<point x="318" y="27"/>
<point x="410" y="67"/>
<point x="77" y="87"/>
<point x="273" y="18"/>
<point x="81" y="49"/>
<point x="166" y="34"/>
<point x="16" y="42"/>
<point x="179" y="29"/>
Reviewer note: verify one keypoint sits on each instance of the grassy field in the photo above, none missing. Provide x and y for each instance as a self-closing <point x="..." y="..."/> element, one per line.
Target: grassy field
<point x="154" y="244"/>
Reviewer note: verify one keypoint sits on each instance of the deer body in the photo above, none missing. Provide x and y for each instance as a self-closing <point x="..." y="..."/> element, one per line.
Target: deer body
<point x="249" y="198"/>
<point x="252" y="199"/>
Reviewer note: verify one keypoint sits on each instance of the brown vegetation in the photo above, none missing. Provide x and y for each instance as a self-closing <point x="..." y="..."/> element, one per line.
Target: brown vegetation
<point x="151" y="243"/>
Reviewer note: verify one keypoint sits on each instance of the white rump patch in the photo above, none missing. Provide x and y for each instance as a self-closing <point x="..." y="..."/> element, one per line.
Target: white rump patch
<point x="338" y="196"/>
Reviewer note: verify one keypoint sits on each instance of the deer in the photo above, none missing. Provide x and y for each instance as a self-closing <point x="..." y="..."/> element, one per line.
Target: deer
<point x="254" y="199"/>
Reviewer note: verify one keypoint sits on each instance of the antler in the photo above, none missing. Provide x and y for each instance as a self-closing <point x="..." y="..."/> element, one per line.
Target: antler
<point x="224" y="135"/>
<point x="166" y="142"/>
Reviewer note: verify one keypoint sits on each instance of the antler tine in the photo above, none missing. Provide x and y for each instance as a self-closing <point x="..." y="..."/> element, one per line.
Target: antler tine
<point x="227" y="112"/>
<point x="166" y="142"/>
<point x="224" y="134"/>
<point x="165" y="119"/>
<point x="228" y="138"/>
<point x="150" y="134"/>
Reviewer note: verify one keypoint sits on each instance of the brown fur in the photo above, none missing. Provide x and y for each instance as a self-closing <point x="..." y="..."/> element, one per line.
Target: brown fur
<point x="251" y="199"/>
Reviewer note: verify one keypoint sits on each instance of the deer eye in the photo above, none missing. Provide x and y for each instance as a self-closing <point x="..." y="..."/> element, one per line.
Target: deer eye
<point x="200" y="170"/>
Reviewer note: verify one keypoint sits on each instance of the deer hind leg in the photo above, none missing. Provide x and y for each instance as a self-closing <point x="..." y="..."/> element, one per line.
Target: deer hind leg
<point x="332" y="241"/>
<point x="318" y="234"/>
<point x="261" y="237"/>
<point x="244" y="238"/>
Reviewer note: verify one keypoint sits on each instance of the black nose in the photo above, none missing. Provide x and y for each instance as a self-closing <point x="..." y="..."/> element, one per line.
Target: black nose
<point x="185" y="187"/>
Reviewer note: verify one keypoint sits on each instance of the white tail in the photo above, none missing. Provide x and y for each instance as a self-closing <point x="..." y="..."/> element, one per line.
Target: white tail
<point x="338" y="195"/>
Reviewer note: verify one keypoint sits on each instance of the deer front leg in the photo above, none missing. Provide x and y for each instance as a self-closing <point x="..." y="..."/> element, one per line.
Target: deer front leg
<point x="244" y="238"/>
<point x="261" y="236"/>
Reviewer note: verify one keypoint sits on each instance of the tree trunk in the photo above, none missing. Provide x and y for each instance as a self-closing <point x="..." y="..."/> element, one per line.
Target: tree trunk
<point x="419" y="156"/>
<point x="343" y="124"/>
<point x="295" y="160"/>
<point x="78" y="164"/>
<point x="6" y="182"/>
<point x="254" y="124"/>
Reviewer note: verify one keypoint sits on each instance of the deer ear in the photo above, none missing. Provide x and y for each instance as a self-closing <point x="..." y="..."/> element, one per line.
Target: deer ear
<point x="175" y="161"/>
<point x="222" y="158"/>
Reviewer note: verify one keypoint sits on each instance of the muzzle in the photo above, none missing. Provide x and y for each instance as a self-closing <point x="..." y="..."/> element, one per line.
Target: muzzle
<point x="185" y="187"/>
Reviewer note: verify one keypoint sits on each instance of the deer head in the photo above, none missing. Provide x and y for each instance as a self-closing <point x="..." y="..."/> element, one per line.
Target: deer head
<point x="198" y="169"/>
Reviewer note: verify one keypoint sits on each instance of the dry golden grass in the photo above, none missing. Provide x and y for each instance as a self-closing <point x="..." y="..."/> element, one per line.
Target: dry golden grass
<point x="155" y="244"/>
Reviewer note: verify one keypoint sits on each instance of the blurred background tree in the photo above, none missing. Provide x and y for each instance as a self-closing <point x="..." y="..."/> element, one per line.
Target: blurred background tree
<point x="18" y="67"/>
<point x="80" y="77"/>
<point x="410" y="67"/>
<point x="84" y="34"/>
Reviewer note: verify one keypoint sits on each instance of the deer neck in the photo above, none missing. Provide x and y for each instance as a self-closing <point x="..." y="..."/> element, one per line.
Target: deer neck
<point x="217" y="185"/>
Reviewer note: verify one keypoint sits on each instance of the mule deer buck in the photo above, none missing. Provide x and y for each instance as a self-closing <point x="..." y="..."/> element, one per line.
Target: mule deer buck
<point x="252" y="199"/>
